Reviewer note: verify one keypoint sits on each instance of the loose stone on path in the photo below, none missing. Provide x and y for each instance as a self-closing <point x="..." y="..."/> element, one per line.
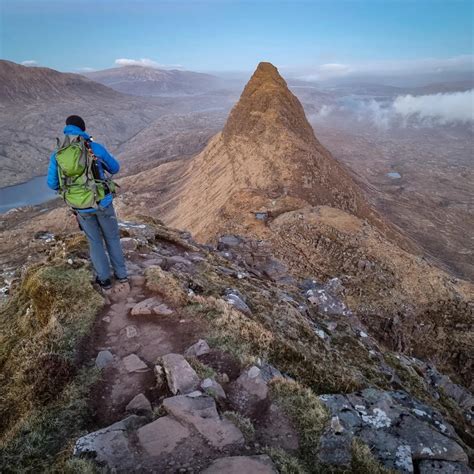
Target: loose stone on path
<point x="139" y="405"/>
<point x="201" y="347"/>
<point x="150" y="306"/>
<point x="103" y="359"/>
<point x="133" y="363"/>
<point x="181" y="377"/>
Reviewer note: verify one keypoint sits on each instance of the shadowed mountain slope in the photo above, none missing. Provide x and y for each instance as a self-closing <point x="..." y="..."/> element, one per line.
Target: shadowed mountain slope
<point x="147" y="81"/>
<point x="21" y="84"/>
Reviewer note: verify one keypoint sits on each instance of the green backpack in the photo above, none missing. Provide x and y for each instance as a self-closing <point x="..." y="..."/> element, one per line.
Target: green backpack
<point x="79" y="181"/>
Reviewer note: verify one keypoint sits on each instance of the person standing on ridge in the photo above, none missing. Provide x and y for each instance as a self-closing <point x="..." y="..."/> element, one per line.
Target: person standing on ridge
<point x="77" y="170"/>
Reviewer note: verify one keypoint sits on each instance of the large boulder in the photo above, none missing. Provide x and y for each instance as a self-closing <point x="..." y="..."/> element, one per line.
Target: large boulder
<point x="401" y="431"/>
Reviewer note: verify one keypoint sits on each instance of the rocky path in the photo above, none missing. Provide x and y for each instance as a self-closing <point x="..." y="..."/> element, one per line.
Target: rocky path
<point x="158" y="414"/>
<point x="171" y="400"/>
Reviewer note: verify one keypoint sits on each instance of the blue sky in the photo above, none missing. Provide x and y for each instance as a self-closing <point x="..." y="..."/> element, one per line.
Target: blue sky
<point x="320" y="37"/>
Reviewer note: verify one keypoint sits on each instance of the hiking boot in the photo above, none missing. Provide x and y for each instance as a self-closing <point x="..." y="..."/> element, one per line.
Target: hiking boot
<point x="105" y="285"/>
<point x="122" y="280"/>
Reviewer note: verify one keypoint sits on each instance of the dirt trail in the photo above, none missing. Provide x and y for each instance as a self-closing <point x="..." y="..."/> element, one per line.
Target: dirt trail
<point x="157" y="410"/>
<point x="147" y="336"/>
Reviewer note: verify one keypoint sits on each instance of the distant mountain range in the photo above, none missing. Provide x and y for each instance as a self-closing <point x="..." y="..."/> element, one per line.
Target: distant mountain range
<point x="21" y="84"/>
<point x="34" y="102"/>
<point x="147" y="81"/>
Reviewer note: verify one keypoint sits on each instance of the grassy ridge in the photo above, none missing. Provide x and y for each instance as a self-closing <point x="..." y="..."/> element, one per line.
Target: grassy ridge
<point x="43" y="388"/>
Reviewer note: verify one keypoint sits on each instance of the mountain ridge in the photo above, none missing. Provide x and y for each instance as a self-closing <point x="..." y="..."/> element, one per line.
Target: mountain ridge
<point x="20" y="84"/>
<point x="266" y="157"/>
<point x="148" y="81"/>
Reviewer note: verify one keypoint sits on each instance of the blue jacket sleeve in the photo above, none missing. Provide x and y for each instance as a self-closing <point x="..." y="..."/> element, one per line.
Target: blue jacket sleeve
<point x="109" y="163"/>
<point x="53" y="180"/>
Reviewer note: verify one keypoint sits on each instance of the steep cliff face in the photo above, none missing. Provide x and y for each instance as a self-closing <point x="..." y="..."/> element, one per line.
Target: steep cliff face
<point x="267" y="157"/>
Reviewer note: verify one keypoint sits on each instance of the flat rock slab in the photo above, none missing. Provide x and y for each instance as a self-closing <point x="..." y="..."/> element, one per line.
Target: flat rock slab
<point x="443" y="467"/>
<point x="162" y="436"/>
<point x="109" y="445"/>
<point x="201" y="413"/>
<point x="242" y="465"/>
<point x="133" y="363"/>
<point x="145" y="307"/>
<point x="162" y="310"/>
<point x="181" y="377"/>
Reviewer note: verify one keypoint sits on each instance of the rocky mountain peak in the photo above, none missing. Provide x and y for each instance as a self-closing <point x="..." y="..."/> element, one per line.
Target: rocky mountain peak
<point x="266" y="107"/>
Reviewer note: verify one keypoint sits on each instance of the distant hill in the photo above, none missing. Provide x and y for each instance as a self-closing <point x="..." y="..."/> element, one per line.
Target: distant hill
<point x="19" y="84"/>
<point x="147" y="81"/>
<point x="34" y="103"/>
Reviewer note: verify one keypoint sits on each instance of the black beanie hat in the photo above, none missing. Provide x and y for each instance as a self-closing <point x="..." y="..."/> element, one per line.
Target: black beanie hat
<point x="77" y="121"/>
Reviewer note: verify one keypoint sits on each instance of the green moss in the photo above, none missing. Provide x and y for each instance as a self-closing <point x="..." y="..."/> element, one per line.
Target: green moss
<point x="413" y="383"/>
<point x="80" y="466"/>
<point x="42" y="391"/>
<point x="243" y="423"/>
<point x="280" y="336"/>
<point x="363" y="460"/>
<point x="286" y="463"/>
<point x="38" y="444"/>
<point x="306" y="412"/>
<point x="203" y="370"/>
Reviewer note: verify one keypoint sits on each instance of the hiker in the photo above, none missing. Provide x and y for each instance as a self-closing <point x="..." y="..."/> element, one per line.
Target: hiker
<point x="77" y="170"/>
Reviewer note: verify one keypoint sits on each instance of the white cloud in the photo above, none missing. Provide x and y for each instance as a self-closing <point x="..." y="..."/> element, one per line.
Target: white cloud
<point x="145" y="62"/>
<point x="404" y="111"/>
<point x="443" y="107"/>
<point x="29" y="62"/>
<point x="86" y="69"/>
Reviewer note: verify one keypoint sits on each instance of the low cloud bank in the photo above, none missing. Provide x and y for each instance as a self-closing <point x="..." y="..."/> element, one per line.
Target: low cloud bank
<point x="405" y="110"/>
<point x="444" y="108"/>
